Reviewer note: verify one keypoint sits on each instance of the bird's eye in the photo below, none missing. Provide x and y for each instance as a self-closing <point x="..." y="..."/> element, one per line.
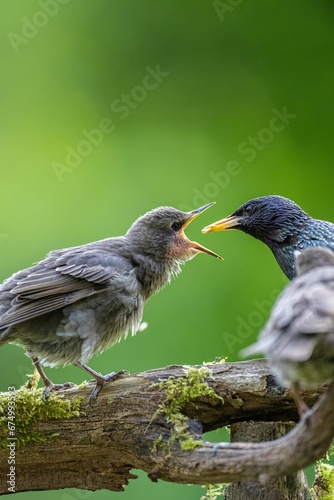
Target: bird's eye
<point x="248" y="209"/>
<point x="176" y="226"/>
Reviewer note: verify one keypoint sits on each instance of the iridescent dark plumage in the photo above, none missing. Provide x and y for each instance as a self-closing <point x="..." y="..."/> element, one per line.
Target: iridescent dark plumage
<point x="298" y="339"/>
<point x="80" y="301"/>
<point x="282" y="225"/>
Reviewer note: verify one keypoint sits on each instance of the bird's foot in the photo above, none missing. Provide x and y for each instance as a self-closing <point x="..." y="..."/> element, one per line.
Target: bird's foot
<point x="101" y="380"/>
<point x="302" y="407"/>
<point x="55" y="387"/>
<point x="49" y="386"/>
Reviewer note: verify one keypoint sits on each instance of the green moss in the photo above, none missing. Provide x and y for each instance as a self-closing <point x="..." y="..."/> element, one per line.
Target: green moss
<point x="218" y="360"/>
<point x="213" y="491"/>
<point x="33" y="379"/>
<point x="323" y="486"/>
<point x="159" y="443"/>
<point x="179" y="392"/>
<point x="20" y="410"/>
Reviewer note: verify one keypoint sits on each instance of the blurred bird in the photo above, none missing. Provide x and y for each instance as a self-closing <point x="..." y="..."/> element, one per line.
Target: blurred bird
<point x="79" y="301"/>
<point x="282" y="225"/>
<point x="298" y="339"/>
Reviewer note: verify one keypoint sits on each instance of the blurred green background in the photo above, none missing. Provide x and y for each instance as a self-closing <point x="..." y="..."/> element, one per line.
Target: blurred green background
<point x="185" y="94"/>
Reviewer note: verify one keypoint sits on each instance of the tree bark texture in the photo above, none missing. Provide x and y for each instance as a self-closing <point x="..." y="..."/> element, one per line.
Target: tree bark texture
<point x="292" y="487"/>
<point x="132" y="425"/>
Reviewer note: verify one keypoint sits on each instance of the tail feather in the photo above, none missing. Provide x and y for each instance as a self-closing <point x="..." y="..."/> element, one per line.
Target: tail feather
<point x="3" y="335"/>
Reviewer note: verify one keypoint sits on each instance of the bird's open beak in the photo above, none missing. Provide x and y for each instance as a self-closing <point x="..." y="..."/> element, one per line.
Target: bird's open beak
<point x="196" y="246"/>
<point x="230" y="222"/>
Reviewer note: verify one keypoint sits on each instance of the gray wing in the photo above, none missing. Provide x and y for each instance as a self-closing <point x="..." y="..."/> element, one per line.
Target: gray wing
<point x="302" y="318"/>
<point x="307" y="305"/>
<point x="55" y="283"/>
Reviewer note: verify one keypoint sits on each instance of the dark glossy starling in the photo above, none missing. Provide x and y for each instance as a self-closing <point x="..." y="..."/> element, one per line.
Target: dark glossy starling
<point x="282" y="225"/>
<point x="80" y="301"/>
<point x="298" y="339"/>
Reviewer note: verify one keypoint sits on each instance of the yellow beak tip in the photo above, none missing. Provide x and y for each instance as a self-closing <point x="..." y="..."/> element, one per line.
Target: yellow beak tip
<point x="210" y="229"/>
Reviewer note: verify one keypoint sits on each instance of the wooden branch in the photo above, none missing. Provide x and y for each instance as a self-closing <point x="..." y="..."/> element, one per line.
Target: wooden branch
<point x="130" y="427"/>
<point x="282" y="487"/>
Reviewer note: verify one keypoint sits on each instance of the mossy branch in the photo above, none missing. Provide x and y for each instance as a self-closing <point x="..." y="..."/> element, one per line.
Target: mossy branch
<point x="155" y="421"/>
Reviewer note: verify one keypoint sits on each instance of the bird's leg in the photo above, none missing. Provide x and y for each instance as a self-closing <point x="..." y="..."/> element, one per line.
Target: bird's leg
<point x="300" y="403"/>
<point x="101" y="380"/>
<point x="49" y="386"/>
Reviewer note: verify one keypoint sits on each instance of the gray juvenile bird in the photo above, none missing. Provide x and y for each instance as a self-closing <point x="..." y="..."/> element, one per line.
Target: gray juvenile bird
<point x="79" y="301"/>
<point x="298" y="339"/>
<point x="282" y="225"/>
